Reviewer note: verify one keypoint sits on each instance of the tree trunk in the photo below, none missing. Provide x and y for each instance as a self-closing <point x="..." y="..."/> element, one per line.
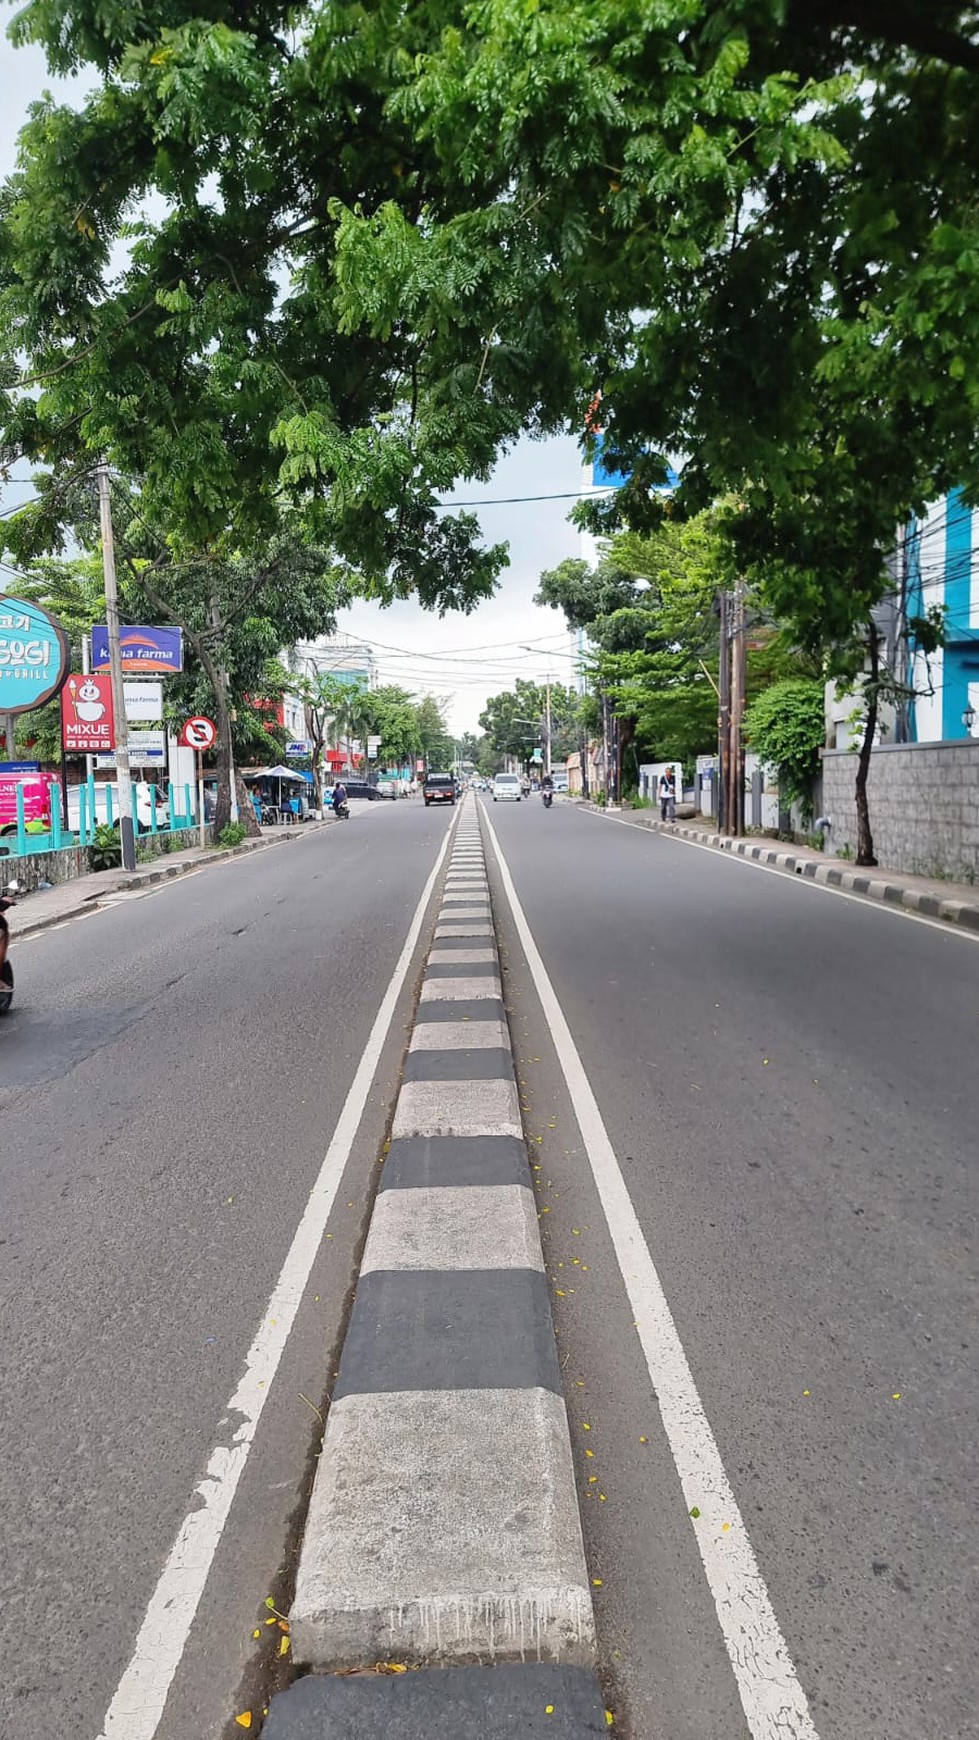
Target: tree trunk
<point x="217" y="676"/>
<point x="865" y="839"/>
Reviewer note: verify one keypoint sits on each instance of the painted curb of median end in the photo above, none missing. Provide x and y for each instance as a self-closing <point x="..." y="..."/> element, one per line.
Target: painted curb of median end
<point x="443" y="1525"/>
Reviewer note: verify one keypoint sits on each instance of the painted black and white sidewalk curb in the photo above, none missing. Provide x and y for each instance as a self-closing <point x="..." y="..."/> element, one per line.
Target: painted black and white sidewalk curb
<point x="823" y="871"/>
<point x="444" y="1526"/>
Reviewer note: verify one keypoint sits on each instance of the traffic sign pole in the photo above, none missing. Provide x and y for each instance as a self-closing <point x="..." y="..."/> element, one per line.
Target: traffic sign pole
<point x="198" y="734"/>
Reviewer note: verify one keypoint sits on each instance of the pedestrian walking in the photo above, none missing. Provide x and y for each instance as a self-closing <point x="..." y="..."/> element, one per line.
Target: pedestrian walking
<point x="667" y="795"/>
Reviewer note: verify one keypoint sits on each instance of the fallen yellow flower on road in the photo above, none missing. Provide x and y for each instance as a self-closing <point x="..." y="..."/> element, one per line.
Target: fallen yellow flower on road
<point x="245" y="1719"/>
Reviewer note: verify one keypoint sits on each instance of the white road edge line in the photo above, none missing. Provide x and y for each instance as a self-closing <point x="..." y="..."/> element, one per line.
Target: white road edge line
<point x="140" y="1698"/>
<point x="773" y="1700"/>
<point x="944" y="925"/>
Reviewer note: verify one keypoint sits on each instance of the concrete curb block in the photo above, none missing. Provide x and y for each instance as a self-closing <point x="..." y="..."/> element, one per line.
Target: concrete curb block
<point x="148" y="878"/>
<point x="831" y="874"/>
<point x="443" y="1526"/>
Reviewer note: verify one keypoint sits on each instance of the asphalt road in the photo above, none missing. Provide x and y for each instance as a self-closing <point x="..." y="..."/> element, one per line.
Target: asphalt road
<point x="170" y="1079"/>
<point x="788" y="1079"/>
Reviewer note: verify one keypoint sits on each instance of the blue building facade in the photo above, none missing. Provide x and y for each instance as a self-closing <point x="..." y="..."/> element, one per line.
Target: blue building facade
<point x="942" y="554"/>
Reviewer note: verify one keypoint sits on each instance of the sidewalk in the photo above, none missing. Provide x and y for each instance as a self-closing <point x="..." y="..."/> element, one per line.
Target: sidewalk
<point x="954" y="902"/>
<point x="46" y="907"/>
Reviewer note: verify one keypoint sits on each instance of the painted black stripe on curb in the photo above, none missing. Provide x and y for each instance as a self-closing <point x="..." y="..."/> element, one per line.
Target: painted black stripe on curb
<point x="460" y="1008"/>
<point x="464" y="1329"/>
<point x="465" y="942"/>
<point x="483" y="1063"/>
<point x="518" y="1701"/>
<point x="426" y="1162"/>
<point x="464" y="969"/>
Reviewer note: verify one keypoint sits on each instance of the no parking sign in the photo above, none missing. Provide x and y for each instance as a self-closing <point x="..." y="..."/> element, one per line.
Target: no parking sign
<point x="199" y="733"/>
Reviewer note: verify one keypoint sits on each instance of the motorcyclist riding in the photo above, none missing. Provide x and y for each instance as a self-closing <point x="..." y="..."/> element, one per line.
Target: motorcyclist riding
<point x="339" y="797"/>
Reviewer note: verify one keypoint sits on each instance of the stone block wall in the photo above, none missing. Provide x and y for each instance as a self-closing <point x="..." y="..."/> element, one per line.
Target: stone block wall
<point x="924" y="806"/>
<point x="71" y="861"/>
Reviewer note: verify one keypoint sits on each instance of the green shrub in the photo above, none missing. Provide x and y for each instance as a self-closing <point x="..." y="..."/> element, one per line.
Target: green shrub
<point x="232" y="834"/>
<point x="105" y="852"/>
<point x="786" y="727"/>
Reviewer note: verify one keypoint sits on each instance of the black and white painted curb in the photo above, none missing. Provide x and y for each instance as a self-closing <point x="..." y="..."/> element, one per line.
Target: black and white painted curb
<point x="443" y="1526"/>
<point x="824" y="871"/>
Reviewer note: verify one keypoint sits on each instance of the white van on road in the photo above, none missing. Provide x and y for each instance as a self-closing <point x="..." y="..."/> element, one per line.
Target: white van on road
<point x="506" y="787"/>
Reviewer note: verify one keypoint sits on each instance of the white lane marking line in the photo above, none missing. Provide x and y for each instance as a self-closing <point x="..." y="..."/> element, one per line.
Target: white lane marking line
<point x="944" y="926"/>
<point x="140" y="1698"/>
<point x="772" y="1698"/>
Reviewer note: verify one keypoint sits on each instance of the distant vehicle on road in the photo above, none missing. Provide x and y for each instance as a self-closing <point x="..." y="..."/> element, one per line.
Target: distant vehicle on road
<point x="439" y="788"/>
<point x="506" y="788"/>
<point x="359" y="788"/>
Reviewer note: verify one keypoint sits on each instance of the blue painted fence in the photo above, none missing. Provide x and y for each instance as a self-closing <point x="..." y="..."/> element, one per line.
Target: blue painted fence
<point x="27" y="840"/>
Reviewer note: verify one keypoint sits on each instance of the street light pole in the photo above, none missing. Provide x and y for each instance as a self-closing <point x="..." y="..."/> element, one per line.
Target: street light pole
<point x="123" y="775"/>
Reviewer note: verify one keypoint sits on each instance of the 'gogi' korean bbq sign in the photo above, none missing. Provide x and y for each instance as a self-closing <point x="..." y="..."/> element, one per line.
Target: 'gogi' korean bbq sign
<point x="33" y="655"/>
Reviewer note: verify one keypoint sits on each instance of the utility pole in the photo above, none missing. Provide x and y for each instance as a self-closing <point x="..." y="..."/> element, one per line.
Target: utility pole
<point x="123" y="775"/>
<point x="9" y="735"/>
<point x="724" y="719"/>
<point x="739" y="685"/>
<point x="736" y="659"/>
<point x="547" y="723"/>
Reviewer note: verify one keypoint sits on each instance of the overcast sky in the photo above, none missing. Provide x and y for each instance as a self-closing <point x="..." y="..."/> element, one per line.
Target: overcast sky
<point x="460" y="658"/>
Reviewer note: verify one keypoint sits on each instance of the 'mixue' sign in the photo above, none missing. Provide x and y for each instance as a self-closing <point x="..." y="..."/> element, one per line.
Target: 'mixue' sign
<point x="87" y="725"/>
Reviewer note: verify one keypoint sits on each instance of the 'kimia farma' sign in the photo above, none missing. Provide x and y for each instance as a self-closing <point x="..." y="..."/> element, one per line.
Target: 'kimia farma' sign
<point x="33" y="655"/>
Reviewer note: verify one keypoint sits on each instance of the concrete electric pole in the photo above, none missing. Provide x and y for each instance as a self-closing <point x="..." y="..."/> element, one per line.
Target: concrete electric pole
<point x="124" y="782"/>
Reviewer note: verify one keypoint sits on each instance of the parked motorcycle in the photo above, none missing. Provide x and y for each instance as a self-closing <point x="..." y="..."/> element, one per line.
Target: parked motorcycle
<point x="6" y="969"/>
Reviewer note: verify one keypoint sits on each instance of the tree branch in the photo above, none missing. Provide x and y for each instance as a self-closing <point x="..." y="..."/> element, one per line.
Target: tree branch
<point x="892" y="22"/>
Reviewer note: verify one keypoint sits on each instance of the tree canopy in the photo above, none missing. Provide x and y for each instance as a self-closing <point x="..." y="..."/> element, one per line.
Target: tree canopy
<point x="336" y="258"/>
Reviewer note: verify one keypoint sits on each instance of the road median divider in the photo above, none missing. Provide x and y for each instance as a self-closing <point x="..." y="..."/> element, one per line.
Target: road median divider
<point x="443" y="1532"/>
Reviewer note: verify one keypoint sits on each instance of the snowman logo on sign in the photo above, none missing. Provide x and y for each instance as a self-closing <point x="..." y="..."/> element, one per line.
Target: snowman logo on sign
<point x="88" y="702"/>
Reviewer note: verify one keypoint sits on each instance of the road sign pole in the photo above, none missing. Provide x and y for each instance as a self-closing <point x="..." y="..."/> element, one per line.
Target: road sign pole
<point x="200" y="798"/>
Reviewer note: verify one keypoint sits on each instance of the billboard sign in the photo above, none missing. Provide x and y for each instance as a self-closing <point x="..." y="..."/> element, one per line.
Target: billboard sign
<point x="144" y="703"/>
<point x="33" y="655"/>
<point x="300" y="747"/>
<point x="87" y="723"/>
<point x="146" y="749"/>
<point x="143" y="649"/>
